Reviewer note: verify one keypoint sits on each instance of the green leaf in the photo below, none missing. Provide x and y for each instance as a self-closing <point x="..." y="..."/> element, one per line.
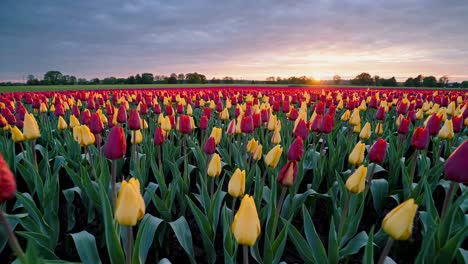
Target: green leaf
<point x="333" y="247"/>
<point x="448" y="252"/>
<point x="368" y="257"/>
<point x="85" y="244"/>
<point x="184" y="236"/>
<point x="354" y="245"/>
<point x="318" y="250"/>
<point x="40" y="241"/>
<point x="145" y="237"/>
<point x="379" y="190"/>
<point x="114" y="248"/>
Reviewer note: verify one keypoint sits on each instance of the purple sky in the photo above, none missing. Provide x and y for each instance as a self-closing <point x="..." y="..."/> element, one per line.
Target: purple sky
<point x="244" y="39"/>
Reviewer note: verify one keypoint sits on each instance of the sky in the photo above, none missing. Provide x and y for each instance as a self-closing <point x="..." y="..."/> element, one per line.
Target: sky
<point x="239" y="38"/>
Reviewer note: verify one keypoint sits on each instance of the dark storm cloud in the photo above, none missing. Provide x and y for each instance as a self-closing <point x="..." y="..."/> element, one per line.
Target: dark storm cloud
<point x="240" y="38"/>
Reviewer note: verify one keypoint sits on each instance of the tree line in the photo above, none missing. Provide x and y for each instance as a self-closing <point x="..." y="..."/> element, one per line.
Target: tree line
<point x="55" y="77"/>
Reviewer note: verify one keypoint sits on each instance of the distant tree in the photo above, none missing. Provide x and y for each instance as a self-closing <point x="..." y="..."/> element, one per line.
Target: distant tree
<point x="138" y="79"/>
<point x="147" y="78"/>
<point x="418" y="81"/>
<point x="409" y="82"/>
<point x="228" y="79"/>
<point x="363" y="79"/>
<point x="464" y="84"/>
<point x="195" y="78"/>
<point x="181" y="77"/>
<point x="392" y="82"/>
<point x="336" y="79"/>
<point x="121" y="81"/>
<point x="109" y="80"/>
<point x="82" y="81"/>
<point x="172" y="79"/>
<point x="131" y="79"/>
<point x="377" y="80"/>
<point x="443" y="81"/>
<point x="270" y="79"/>
<point x="429" y="81"/>
<point x="215" y="80"/>
<point x="278" y="79"/>
<point x="73" y="80"/>
<point x="32" y="80"/>
<point x="456" y="85"/>
<point x="95" y="81"/>
<point x="53" y="77"/>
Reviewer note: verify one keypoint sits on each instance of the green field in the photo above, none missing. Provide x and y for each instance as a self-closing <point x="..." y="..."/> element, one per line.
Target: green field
<point x="40" y="88"/>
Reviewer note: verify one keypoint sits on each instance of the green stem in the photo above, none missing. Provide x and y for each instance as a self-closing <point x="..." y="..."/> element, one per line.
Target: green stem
<point x="233" y="208"/>
<point x="385" y="251"/>
<point x="343" y="217"/>
<point x="129" y="244"/>
<point x="278" y="211"/>
<point x="113" y="183"/>
<point x="448" y="198"/>
<point x="413" y="167"/>
<point x="15" y="246"/>
<point x="246" y="254"/>
<point x="369" y="182"/>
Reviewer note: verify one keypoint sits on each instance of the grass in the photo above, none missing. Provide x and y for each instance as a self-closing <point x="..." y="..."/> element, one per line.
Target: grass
<point x="39" y="88"/>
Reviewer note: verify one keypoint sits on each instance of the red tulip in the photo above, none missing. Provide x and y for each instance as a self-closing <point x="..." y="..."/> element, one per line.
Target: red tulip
<point x="301" y="130"/>
<point x="184" y="124"/>
<point x="287" y="175"/>
<point x="134" y="121"/>
<point x="95" y="125"/>
<point x="59" y="110"/>
<point x="317" y="123"/>
<point x="210" y="146"/>
<point x="247" y="125"/>
<point x="327" y="124"/>
<point x="257" y="120"/>
<point x="320" y="108"/>
<point x="296" y="150"/>
<point x="377" y="151"/>
<point x="207" y="112"/>
<point x="433" y="124"/>
<point x="294" y="114"/>
<point x="420" y="138"/>
<point x="122" y="114"/>
<point x="403" y="128"/>
<point x="380" y="115"/>
<point x="116" y="144"/>
<point x="286" y="107"/>
<point x="75" y="111"/>
<point x="180" y="109"/>
<point x="456" y="166"/>
<point x="85" y="117"/>
<point x="203" y="122"/>
<point x="169" y="110"/>
<point x="7" y="181"/>
<point x="159" y="136"/>
<point x="457" y="122"/>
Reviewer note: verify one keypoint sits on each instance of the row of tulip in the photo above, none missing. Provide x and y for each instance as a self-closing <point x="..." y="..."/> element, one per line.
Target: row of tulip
<point x="338" y="174"/>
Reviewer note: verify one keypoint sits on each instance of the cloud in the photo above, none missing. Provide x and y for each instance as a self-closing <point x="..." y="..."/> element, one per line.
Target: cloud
<point x="241" y="38"/>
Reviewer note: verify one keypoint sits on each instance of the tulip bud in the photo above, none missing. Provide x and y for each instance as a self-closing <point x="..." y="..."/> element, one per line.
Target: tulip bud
<point x="357" y="181"/>
<point x="456" y="165"/>
<point x="236" y="186"/>
<point x="210" y="146"/>
<point x="365" y="132"/>
<point x="203" y="122"/>
<point x="96" y="125"/>
<point x="420" y="138"/>
<point x="7" y="181"/>
<point x="116" y="144"/>
<point x="403" y="128"/>
<point x="380" y="115"/>
<point x="301" y="130"/>
<point x="345" y="116"/>
<point x="433" y="124"/>
<point x="122" y="114"/>
<point x="355" y="118"/>
<point x="130" y="206"/>
<point x="247" y="124"/>
<point x="327" y="124"/>
<point x="217" y="133"/>
<point x="296" y="150"/>
<point x="83" y="135"/>
<point x="273" y="156"/>
<point x="287" y="175"/>
<point x="357" y="154"/>
<point x="214" y="167"/>
<point x="457" y="122"/>
<point x="224" y="115"/>
<point x="276" y="137"/>
<point x="159" y="136"/>
<point x="377" y="151"/>
<point x="446" y="132"/>
<point x="398" y="223"/>
<point x="134" y="121"/>
<point x="231" y="130"/>
<point x="378" y="129"/>
<point x="62" y="124"/>
<point x="246" y="224"/>
<point x="30" y="128"/>
<point x="166" y="124"/>
<point x="136" y="137"/>
<point x="74" y="121"/>
<point x="251" y="146"/>
<point x="43" y="108"/>
<point x="185" y="126"/>
<point x="85" y="117"/>
<point x="257" y="154"/>
<point x="271" y="123"/>
<point x="16" y="135"/>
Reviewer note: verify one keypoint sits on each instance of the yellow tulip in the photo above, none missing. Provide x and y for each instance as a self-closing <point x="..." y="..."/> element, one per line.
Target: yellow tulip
<point x="366" y="131"/>
<point x="345" y="116"/>
<point x="273" y="156"/>
<point x="74" y="121"/>
<point x="379" y="129"/>
<point x="252" y="145"/>
<point x="398" y="223"/>
<point x="30" y="127"/>
<point x="419" y="114"/>
<point x="217" y="133"/>
<point x="271" y="123"/>
<point x="43" y="108"/>
<point x="257" y="154"/>
<point x="224" y="115"/>
<point x="451" y="108"/>
<point x="189" y="109"/>
<point x="357" y="128"/>
<point x="236" y="186"/>
<point x="214" y="167"/>
<point x="130" y="206"/>
<point x="446" y="132"/>
<point x="246" y="225"/>
<point x="16" y="135"/>
<point x="355" y="118"/>
<point x="139" y="137"/>
<point x="276" y="137"/>
<point x="144" y="124"/>
<point x="62" y="124"/>
<point x="357" y="181"/>
<point x="357" y="155"/>
<point x="166" y="124"/>
<point x="83" y="135"/>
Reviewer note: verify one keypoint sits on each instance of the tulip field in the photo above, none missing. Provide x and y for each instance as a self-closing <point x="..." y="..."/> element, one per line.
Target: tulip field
<point x="234" y="175"/>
